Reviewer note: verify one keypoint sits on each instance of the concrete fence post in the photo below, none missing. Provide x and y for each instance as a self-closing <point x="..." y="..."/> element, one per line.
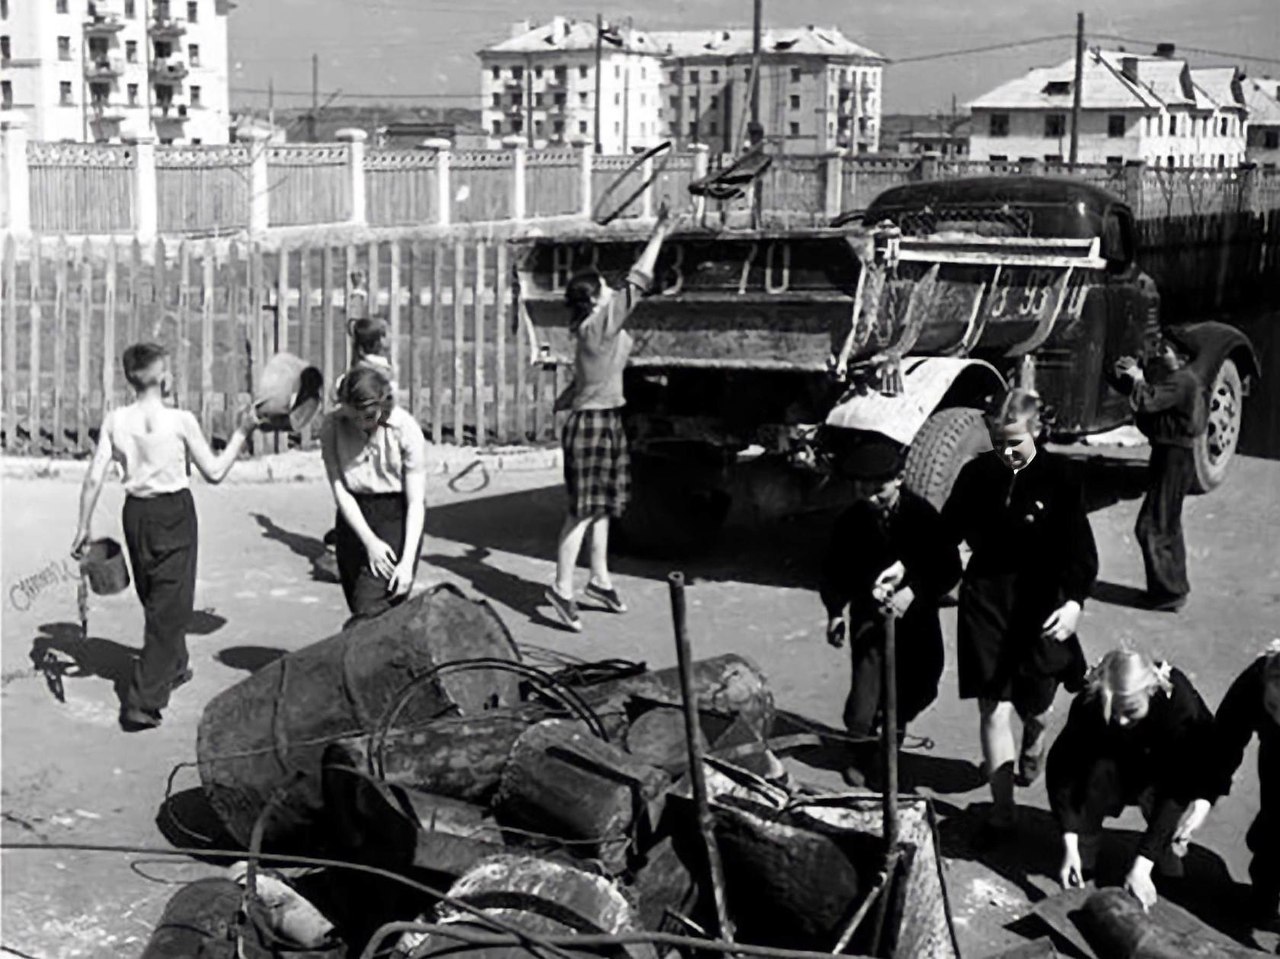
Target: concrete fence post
<point x="928" y="169"/>
<point x="355" y="140"/>
<point x="1133" y="170"/>
<point x="13" y="138"/>
<point x="587" y="158"/>
<point x="259" y="181"/>
<point x="1248" y="186"/>
<point x="834" y="176"/>
<point x="444" y="195"/>
<point x="146" y="215"/>
<point x="701" y="165"/>
<point x="519" y="179"/>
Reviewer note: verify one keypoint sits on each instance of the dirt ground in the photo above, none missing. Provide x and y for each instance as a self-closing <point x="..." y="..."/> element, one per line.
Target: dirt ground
<point x="71" y="775"/>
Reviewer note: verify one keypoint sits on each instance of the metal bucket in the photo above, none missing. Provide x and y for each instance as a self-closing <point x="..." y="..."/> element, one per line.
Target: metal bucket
<point x="289" y="395"/>
<point x="103" y="565"/>
<point x="270" y="730"/>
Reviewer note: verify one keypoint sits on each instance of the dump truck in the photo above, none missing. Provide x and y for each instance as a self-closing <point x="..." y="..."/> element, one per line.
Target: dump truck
<point x="761" y="353"/>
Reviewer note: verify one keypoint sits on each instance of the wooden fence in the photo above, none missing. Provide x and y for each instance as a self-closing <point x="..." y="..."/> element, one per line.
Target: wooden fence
<point x="96" y="181"/>
<point x="308" y="183"/>
<point x="202" y="189"/>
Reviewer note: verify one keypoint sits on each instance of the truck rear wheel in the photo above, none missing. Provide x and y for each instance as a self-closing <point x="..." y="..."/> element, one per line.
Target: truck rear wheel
<point x="678" y="502"/>
<point x="1217" y="445"/>
<point x="948" y="440"/>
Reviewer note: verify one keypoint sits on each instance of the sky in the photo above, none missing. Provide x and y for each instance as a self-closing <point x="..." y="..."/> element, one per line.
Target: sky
<point x="401" y="50"/>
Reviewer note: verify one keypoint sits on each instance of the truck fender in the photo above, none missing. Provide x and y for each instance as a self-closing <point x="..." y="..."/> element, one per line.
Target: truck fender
<point x="926" y="382"/>
<point x="1212" y="342"/>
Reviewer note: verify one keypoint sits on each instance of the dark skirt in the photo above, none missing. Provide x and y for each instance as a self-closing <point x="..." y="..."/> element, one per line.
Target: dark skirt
<point x="597" y="466"/>
<point x="999" y="650"/>
<point x="365" y="591"/>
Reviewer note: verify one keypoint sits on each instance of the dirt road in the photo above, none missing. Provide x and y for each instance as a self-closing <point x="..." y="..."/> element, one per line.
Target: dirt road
<point x="70" y="774"/>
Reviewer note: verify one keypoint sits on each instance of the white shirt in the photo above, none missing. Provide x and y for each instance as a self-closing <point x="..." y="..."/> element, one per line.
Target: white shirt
<point x="374" y="462"/>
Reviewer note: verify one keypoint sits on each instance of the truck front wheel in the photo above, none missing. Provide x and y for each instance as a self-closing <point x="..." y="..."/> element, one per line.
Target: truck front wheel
<point x="1217" y="444"/>
<point x="948" y="440"/>
<point x="678" y="501"/>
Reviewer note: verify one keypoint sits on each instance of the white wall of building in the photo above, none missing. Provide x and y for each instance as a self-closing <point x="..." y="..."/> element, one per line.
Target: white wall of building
<point x="51" y="51"/>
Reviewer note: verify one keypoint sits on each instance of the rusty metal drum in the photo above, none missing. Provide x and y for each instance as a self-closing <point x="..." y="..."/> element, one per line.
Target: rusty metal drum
<point x="268" y="733"/>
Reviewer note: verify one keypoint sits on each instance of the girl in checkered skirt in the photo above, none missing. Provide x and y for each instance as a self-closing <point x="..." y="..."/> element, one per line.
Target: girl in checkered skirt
<point x="597" y="469"/>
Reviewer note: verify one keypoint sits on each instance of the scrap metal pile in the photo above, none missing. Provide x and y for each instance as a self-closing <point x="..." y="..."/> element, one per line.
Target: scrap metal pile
<point x="547" y="812"/>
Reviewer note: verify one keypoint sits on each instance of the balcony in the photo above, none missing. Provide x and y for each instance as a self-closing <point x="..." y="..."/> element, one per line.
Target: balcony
<point x="164" y="27"/>
<point x="170" y="69"/>
<point x="106" y="111"/>
<point x="104" y="25"/>
<point x="104" y="68"/>
<point x="169" y="113"/>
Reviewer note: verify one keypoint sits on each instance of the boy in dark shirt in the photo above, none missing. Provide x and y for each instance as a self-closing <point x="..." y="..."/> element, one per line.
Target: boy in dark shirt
<point x="1139" y="734"/>
<point x="1170" y="410"/>
<point x="1252" y="707"/>
<point x="1033" y="562"/>
<point x="888" y="550"/>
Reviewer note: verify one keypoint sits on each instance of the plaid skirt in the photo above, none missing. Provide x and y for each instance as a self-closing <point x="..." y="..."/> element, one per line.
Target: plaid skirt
<point x="597" y="467"/>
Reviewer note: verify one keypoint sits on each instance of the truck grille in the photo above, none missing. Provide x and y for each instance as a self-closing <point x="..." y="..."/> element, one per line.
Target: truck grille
<point x="977" y="220"/>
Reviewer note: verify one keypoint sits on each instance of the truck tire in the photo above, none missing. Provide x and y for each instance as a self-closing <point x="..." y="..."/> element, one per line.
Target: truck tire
<point x="678" y="505"/>
<point x="948" y="440"/>
<point x="1215" y="447"/>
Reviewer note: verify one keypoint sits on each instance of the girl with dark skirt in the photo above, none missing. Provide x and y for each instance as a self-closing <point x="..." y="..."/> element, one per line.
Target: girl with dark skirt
<point x="597" y="469"/>
<point x="375" y="457"/>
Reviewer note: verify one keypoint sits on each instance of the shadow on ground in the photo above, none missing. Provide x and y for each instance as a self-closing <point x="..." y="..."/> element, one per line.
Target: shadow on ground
<point x="249" y="658"/>
<point x="60" y="651"/>
<point x="310" y="548"/>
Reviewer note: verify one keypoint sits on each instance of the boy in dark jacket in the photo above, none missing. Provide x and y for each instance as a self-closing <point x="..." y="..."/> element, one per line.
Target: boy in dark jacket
<point x="1169" y="408"/>
<point x="1139" y="734"/>
<point x="1252" y="707"/>
<point x="889" y="551"/>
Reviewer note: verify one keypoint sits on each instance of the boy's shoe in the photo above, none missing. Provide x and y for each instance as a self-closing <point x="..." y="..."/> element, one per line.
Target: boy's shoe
<point x="135" y="720"/>
<point x="566" y="609"/>
<point x="609" y="597"/>
<point x="1161" y="603"/>
<point x="182" y="679"/>
<point x="331" y="538"/>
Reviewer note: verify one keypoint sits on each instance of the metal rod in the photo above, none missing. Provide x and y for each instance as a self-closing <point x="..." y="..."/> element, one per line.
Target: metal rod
<point x="1076" y="92"/>
<point x="889" y="744"/>
<point x="757" y="16"/>
<point x="693" y="740"/>
<point x="882" y="883"/>
<point x="599" y="67"/>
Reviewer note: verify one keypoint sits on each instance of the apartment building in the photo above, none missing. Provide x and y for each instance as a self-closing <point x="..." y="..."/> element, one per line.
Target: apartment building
<point x="1155" y="108"/>
<point x="1262" y="139"/>
<point x="541" y="84"/>
<point x="818" y="90"/>
<point x="107" y="70"/>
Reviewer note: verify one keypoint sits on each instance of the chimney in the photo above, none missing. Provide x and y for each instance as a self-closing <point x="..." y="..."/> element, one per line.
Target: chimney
<point x="1166" y="50"/>
<point x="559" y="27"/>
<point x="520" y="27"/>
<point x="1129" y="68"/>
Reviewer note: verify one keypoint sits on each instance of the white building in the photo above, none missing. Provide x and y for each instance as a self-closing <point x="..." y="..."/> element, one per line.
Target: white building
<point x="1263" y="98"/>
<point x="106" y="70"/>
<point x="818" y="89"/>
<point x="1156" y="109"/>
<point x="541" y="84"/>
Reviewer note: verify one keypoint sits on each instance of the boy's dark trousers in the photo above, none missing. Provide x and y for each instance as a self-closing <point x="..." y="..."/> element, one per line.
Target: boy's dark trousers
<point x="161" y="532"/>
<point x="1263" y="840"/>
<point x="1159" y="528"/>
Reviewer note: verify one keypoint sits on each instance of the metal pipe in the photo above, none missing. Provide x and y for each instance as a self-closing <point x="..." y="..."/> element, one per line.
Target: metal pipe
<point x="1076" y="92"/>
<point x="693" y="741"/>
<point x="599" y="65"/>
<point x="889" y="744"/>
<point x="882" y="883"/>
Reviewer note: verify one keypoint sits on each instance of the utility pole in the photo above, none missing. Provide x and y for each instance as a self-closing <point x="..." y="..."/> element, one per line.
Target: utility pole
<point x="1075" y="92"/>
<point x="315" y="98"/>
<point x="757" y="16"/>
<point x="599" y="59"/>
<point x="271" y="103"/>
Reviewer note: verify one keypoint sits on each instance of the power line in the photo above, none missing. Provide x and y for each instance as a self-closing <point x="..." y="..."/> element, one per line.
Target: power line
<point x="972" y="50"/>
<point x="1212" y="53"/>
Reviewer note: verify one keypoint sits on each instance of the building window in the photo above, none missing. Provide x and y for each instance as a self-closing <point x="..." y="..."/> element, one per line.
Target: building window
<point x="61" y="6"/>
<point x="673" y="77"/>
<point x="999" y="125"/>
<point x="195" y="96"/>
<point x="130" y="8"/>
<point x="693" y="104"/>
<point x="715" y="76"/>
<point x="675" y="103"/>
<point x="1115" y="125"/>
<point x="1055" y="124"/>
<point x="64" y="48"/>
<point x="617" y="71"/>
<point x="582" y="72"/>
<point x="642" y="99"/>
<point x="6" y="94"/>
<point x="998" y="158"/>
<point x="5" y="52"/>
<point x="193" y="11"/>
<point x="4" y="9"/>
<point x="1223" y="127"/>
<point x="64" y="93"/>
<point x="497" y="73"/>
<point x="131" y="51"/>
<point x="795" y="74"/>
<point x="517" y="99"/>
<point x="795" y="129"/>
<point x="517" y="125"/>
<point x="193" y="54"/>
<point x="1170" y="162"/>
<point x="558" y="126"/>
<point x="1222" y="161"/>
<point x="497" y="99"/>
<point x="133" y="94"/>
<point x="1271" y="139"/>
<point x="582" y="126"/>
<point x="715" y="101"/>
<point x="558" y="73"/>
<point x="795" y="102"/>
<point x="517" y="73"/>
<point x="1115" y="161"/>
<point x="99" y="93"/>
<point x="1173" y="126"/>
<point x="693" y="76"/>
<point x="497" y="128"/>
<point x="582" y="99"/>
<point x="1053" y="158"/>
<point x="617" y="126"/>
<point x="538" y="128"/>
<point x="713" y="128"/>
<point x="537" y="72"/>
<point x="617" y="99"/>
<point x="537" y="99"/>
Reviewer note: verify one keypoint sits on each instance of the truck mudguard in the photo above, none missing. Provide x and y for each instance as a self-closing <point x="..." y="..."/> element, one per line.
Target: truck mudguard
<point x="926" y="381"/>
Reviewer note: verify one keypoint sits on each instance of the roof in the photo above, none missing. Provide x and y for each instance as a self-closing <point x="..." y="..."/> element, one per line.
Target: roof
<point x="1117" y="79"/>
<point x="809" y="40"/>
<point x="1262" y="96"/>
<point x="563" y="34"/>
